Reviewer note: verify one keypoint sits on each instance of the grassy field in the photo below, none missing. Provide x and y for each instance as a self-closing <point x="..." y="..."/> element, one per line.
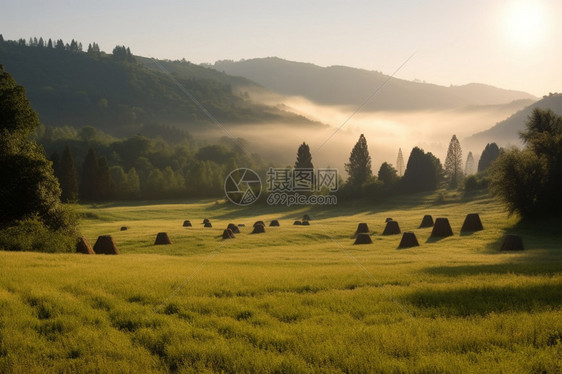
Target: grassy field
<point x="292" y="300"/>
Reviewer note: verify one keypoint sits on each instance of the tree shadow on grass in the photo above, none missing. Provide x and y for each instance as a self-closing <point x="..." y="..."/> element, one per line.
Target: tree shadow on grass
<point x="524" y="268"/>
<point x="343" y="207"/>
<point x="482" y="301"/>
<point x="542" y="234"/>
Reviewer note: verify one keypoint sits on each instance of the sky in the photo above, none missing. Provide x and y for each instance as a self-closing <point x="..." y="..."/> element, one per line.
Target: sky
<point x="513" y="44"/>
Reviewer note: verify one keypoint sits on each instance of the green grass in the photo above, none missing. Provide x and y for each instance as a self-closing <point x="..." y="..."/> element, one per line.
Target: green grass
<point x="292" y="300"/>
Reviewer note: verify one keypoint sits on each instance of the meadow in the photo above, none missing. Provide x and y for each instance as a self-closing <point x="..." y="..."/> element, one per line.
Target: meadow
<point x="296" y="299"/>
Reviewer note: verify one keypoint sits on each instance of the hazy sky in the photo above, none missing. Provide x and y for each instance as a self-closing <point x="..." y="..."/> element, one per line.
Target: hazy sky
<point x="511" y="44"/>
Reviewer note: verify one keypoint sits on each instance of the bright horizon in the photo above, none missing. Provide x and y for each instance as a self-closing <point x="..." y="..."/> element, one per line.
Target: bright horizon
<point x="508" y="44"/>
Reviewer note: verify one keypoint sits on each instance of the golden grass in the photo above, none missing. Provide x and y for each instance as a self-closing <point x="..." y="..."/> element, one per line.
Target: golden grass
<point x="295" y="299"/>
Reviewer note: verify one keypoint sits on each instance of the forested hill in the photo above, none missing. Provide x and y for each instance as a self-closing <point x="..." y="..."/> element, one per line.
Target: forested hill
<point x="122" y="94"/>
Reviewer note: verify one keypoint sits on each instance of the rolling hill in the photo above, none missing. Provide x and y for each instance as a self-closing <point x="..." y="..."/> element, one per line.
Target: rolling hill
<point x="340" y="85"/>
<point x="507" y="131"/>
<point x="77" y="89"/>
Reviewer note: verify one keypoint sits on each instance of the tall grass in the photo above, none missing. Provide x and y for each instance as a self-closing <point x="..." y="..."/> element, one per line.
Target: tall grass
<point x="292" y="300"/>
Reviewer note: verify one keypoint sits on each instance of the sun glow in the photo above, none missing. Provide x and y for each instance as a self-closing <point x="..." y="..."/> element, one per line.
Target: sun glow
<point x="525" y="23"/>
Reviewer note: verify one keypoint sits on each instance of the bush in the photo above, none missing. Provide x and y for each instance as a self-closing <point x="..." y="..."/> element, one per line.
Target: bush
<point x="474" y="183"/>
<point x="517" y="178"/>
<point x="32" y="235"/>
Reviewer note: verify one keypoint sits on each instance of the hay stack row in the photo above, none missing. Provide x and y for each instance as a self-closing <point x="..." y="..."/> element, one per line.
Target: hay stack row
<point x="441" y="228"/>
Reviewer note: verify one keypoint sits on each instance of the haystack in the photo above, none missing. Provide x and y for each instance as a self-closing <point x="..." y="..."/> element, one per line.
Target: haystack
<point x="162" y="238"/>
<point x="187" y="223"/>
<point x="297" y="223"/>
<point x="362" y="228"/>
<point x="233" y="228"/>
<point x="207" y="224"/>
<point x="258" y="229"/>
<point x="206" y="220"/>
<point x="441" y="228"/>
<point x="408" y="240"/>
<point x="306" y="217"/>
<point x="84" y="246"/>
<point x="427" y="221"/>
<point x="105" y="246"/>
<point x="305" y="223"/>
<point x="227" y="234"/>
<point x="363" y="238"/>
<point x="512" y="242"/>
<point x="472" y="223"/>
<point x="259" y="223"/>
<point x="123" y="228"/>
<point x="274" y="223"/>
<point x="387" y="220"/>
<point x="392" y="228"/>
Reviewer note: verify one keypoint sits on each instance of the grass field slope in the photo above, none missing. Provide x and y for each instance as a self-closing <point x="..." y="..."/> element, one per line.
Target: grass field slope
<point x="295" y="299"/>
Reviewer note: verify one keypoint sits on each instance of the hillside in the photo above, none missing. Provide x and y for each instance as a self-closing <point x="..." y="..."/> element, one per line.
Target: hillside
<point x="340" y="85"/>
<point x="507" y="131"/>
<point x="121" y="97"/>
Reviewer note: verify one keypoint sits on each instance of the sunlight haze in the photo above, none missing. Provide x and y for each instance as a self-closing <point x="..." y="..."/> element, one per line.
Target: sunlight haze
<point x="509" y="44"/>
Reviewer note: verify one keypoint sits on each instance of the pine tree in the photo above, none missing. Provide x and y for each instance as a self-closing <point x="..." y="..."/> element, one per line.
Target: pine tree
<point x="304" y="158"/>
<point x="88" y="182"/>
<point x="490" y="154"/>
<point x="50" y="43"/>
<point x="105" y="185"/>
<point x="359" y="166"/>
<point x="1" y="38"/>
<point x="453" y="162"/>
<point x="469" y="167"/>
<point x="400" y="163"/>
<point x="28" y="187"/>
<point x="68" y="177"/>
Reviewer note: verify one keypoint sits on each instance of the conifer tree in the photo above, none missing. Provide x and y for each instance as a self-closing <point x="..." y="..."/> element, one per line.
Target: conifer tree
<point x="469" y="167"/>
<point x="453" y="162"/>
<point x="490" y="154"/>
<point x="400" y="163"/>
<point x="88" y="182"/>
<point x="359" y="166"/>
<point x="104" y="183"/>
<point x="68" y="177"/>
<point x="304" y="158"/>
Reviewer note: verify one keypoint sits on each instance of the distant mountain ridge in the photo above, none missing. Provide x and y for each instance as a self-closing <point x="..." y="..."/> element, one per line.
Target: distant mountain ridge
<point x="68" y="87"/>
<point x="507" y="131"/>
<point x="340" y="85"/>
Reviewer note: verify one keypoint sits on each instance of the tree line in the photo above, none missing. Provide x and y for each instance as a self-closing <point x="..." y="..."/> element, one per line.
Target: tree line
<point x="93" y="166"/>
<point x="423" y="171"/>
